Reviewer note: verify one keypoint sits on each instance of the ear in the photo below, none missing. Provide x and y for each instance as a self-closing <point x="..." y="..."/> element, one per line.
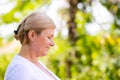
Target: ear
<point x="31" y="35"/>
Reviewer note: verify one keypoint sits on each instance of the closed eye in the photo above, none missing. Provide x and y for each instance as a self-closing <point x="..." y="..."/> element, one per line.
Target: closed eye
<point x="49" y="37"/>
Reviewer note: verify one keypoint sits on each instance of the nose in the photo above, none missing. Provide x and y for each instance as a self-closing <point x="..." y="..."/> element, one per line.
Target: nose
<point x="51" y="43"/>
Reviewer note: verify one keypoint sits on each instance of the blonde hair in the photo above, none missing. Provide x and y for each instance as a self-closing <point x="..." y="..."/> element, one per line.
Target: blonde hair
<point x="36" y="21"/>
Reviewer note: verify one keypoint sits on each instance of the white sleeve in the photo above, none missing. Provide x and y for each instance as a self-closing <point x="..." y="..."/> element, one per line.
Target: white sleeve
<point x="19" y="72"/>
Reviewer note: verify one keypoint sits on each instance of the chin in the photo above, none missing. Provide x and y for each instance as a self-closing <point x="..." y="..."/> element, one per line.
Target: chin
<point x="43" y="54"/>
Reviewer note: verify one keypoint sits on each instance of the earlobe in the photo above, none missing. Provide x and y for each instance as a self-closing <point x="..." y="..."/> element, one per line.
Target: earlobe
<point x="31" y="35"/>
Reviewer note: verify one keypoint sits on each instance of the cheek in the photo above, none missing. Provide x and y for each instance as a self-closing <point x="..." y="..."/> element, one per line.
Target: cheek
<point x="46" y="41"/>
<point x="43" y="42"/>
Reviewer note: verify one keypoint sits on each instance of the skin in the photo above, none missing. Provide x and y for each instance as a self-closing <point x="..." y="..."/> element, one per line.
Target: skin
<point x="38" y="46"/>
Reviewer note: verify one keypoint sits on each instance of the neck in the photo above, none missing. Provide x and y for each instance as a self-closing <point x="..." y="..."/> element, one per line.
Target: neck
<point x="28" y="53"/>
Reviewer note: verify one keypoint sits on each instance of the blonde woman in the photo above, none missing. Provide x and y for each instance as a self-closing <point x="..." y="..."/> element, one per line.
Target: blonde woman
<point x="35" y="33"/>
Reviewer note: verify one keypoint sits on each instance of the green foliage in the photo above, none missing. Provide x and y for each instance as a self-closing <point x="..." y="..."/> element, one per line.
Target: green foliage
<point x="21" y="8"/>
<point x="4" y="61"/>
<point x="91" y="57"/>
<point x="1" y="41"/>
<point x="5" y="41"/>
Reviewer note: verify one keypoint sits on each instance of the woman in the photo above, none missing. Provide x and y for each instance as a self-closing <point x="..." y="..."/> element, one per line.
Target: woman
<point x="35" y="33"/>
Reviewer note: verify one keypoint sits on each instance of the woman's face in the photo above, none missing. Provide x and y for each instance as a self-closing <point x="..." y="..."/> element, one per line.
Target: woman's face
<point x="44" y="41"/>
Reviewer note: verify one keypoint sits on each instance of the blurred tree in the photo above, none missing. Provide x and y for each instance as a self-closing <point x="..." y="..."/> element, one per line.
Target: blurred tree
<point x="88" y="57"/>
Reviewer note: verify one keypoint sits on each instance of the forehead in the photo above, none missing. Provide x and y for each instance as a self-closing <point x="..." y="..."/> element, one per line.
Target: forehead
<point x="48" y="32"/>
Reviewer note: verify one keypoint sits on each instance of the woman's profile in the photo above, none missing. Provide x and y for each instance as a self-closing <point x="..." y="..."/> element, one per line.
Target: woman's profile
<point x="35" y="33"/>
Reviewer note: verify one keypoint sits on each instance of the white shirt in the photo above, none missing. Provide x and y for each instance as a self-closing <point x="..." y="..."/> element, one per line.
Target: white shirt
<point x="22" y="69"/>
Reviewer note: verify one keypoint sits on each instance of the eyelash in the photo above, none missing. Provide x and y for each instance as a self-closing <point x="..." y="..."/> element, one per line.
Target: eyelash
<point x="48" y="37"/>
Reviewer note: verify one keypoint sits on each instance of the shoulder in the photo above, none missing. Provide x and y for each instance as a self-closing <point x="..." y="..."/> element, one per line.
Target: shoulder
<point x="18" y="72"/>
<point x="18" y="69"/>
